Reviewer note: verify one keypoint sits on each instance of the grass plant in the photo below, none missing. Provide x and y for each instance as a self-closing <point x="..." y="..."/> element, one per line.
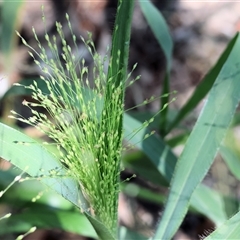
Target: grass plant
<point x="86" y="121"/>
<point x="87" y="115"/>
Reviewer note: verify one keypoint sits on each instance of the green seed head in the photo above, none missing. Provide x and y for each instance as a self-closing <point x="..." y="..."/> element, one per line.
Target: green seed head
<point x="84" y="122"/>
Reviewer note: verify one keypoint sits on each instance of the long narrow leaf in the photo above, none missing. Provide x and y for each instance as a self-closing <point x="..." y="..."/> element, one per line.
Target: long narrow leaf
<point x="29" y="156"/>
<point x="164" y="161"/>
<point x="160" y="29"/>
<point x="44" y="218"/>
<point x="203" y="143"/>
<point x="203" y="88"/>
<point x="116" y="77"/>
<point x="154" y="147"/>
<point x="117" y="69"/>
<point x="121" y="42"/>
<point x="229" y="230"/>
<point x="162" y="34"/>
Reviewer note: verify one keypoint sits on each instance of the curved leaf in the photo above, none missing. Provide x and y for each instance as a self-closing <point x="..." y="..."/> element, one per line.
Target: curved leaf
<point x="28" y="190"/>
<point x="203" y="143"/>
<point x="203" y="88"/>
<point x="160" y="29"/>
<point x="45" y="218"/>
<point x="229" y="230"/>
<point x="162" y="34"/>
<point x="164" y="161"/>
<point x="29" y="156"/>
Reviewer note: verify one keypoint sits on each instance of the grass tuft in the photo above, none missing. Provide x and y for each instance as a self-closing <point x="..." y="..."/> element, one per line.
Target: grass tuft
<point x="82" y="117"/>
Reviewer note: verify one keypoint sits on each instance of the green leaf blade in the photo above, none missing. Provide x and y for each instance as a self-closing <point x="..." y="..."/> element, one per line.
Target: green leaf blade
<point x="202" y="144"/>
<point x="163" y="160"/>
<point x="120" y="42"/>
<point x="44" y="218"/>
<point x="160" y="30"/>
<point x="29" y="156"/>
<point x="229" y="230"/>
<point x="203" y="88"/>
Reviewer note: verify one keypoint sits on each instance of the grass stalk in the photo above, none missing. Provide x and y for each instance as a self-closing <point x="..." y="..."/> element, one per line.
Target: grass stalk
<point x="86" y="122"/>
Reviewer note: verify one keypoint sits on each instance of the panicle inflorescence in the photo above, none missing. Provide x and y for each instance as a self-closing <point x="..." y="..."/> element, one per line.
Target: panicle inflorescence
<point x="80" y="119"/>
<point x="81" y="111"/>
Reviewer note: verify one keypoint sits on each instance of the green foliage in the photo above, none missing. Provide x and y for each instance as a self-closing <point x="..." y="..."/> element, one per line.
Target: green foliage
<point x="229" y="230"/>
<point x="38" y="207"/>
<point x="160" y="165"/>
<point x="89" y="140"/>
<point x="202" y="144"/>
<point x="156" y="22"/>
<point x="203" y="88"/>
<point x="87" y="123"/>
